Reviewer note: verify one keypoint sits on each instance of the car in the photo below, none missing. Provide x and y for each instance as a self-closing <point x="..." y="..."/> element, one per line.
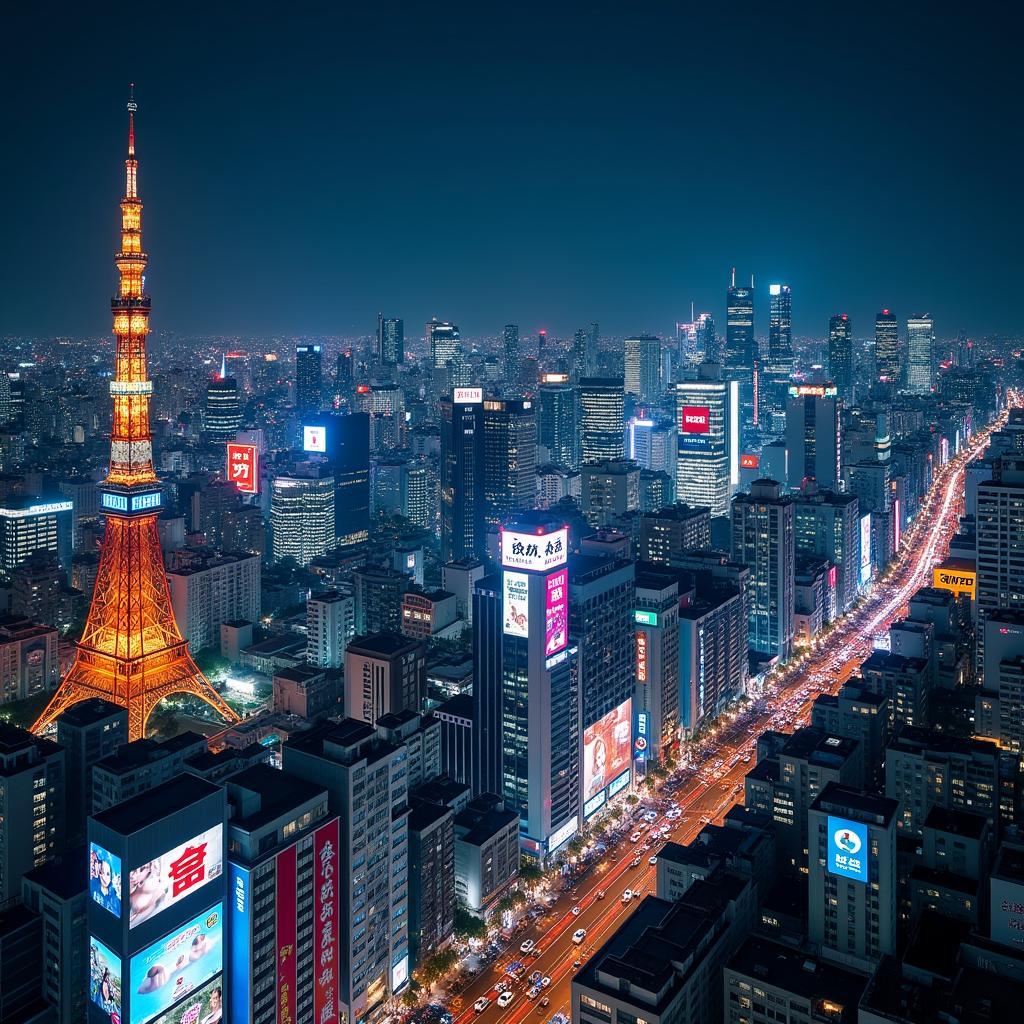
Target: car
<point x="579" y="935"/>
<point x="627" y="895"/>
<point x="505" y="998"/>
<point x="635" y="837"/>
<point x="527" y="946"/>
<point x="534" y="992"/>
<point x="635" y="862"/>
<point x="577" y="964"/>
<point x="545" y="1002"/>
<point x="652" y="860"/>
<point x="576" y="911"/>
<point x="481" y="1004"/>
<point x="545" y="981"/>
<point x="600" y="894"/>
<point x="535" y="977"/>
<point x="501" y="986"/>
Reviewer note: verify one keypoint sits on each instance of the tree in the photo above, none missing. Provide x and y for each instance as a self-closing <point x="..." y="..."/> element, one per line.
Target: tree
<point x="435" y="967"/>
<point x="467" y="925"/>
<point x="529" y="871"/>
<point x="578" y="843"/>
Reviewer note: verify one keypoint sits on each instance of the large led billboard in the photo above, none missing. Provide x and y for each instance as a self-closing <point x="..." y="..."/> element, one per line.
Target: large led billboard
<point x="1007" y="913"/>
<point x="695" y="419"/>
<point x="865" y="548"/>
<point x="556" y="612"/>
<point x="286" y="902"/>
<point x="536" y="552"/>
<point x="244" y="467"/>
<point x="240" y="951"/>
<point x="957" y="581"/>
<point x="515" y="604"/>
<point x="163" y="881"/>
<point x="606" y="748"/>
<point x="314" y="439"/>
<point x="847" y="849"/>
<point x="326" y="918"/>
<point x="176" y="966"/>
<point x="105" y="879"/>
<point x="105" y="980"/>
<point x="203" y="1006"/>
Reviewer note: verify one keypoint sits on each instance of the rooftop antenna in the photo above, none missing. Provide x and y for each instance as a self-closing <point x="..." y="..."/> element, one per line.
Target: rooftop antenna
<point x="733" y="277"/>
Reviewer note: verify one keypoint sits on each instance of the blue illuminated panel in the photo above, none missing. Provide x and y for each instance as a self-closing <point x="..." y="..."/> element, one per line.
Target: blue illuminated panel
<point x="847" y="849"/>
<point x="239" y="959"/>
<point x="115" y="502"/>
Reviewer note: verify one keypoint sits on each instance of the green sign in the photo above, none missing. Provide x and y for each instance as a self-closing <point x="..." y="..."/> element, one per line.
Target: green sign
<point x="646" y="618"/>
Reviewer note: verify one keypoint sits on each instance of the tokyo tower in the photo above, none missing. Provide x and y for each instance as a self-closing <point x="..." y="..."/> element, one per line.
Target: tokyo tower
<point x="131" y="652"/>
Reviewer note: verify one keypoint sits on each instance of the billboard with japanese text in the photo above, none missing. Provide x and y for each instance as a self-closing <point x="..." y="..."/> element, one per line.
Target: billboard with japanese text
<point x="326" y="922"/>
<point x="536" y="552"/>
<point x="556" y="612"/>
<point x="243" y="467"/>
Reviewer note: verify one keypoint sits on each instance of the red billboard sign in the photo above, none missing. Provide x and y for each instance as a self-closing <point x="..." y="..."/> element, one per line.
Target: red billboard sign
<point x="325" y="921"/>
<point x="286" y="936"/>
<point x="244" y="467"/>
<point x="750" y="461"/>
<point x="695" y="419"/>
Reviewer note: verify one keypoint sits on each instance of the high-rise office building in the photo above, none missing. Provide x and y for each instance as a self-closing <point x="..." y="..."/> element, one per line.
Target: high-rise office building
<point x="512" y="366"/>
<point x="602" y="426"/>
<point x="669" y="533"/>
<point x="762" y="540"/>
<point x="920" y="345"/>
<point x="653" y="444"/>
<point x="557" y="420"/>
<point x="827" y="525"/>
<point x="384" y="673"/>
<point x="330" y="624"/>
<point x="707" y="417"/>
<point x="643" y="368"/>
<point x="814" y="443"/>
<point x="887" y="348"/>
<point x="609" y="490"/>
<point x="840" y="356"/>
<point x="777" y="365"/>
<point x="443" y="339"/>
<point x="741" y="356"/>
<point x="390" y="340"/>
<point x="462" y="476"/>
<point x="510" y="457"/>
<point x="708" y="349"/>
<point x="223" y="409"/>
<point x="539" y="695"/>
<point x="308" y="378"/>
<point x="211" y="589"/>
<point x="488" y="632"/>
<point x="579" y="355"/>
<point x="657" y="665"/>
<point x="31" y="525"/>
<point x="302" y="514"/>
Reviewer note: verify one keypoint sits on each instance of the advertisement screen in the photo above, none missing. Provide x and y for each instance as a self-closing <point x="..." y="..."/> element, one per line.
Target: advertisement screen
<point x="326" y="922"/>
<point x="556" y="612"/>
<point x="469" y="396"/>
<point x="695" y="419"/>
<point x="642" y="656"/>
<point x="287" y="935"/>
<point x="515" y="604"/>
<point x="314" y="439"/>
<point x="163" y="881"/>
<point x="750" y="461"/>
<point x="1007" y="913"/>
<point x="959" y="581"/>
<point x="532" y="551"/>
<point x="606" y="748"/>
<point x="400" y="973"/>
<point x="203" y="1006"/>
<point x="177" y="965"/>
<point x="105" y="980"/>
<point x="105" y="879"/>
<point x="865" y="548"/>
<point x="640" y="742"/>
<point x="897" y="526"/>
<point x="847" y="849"/>
<point x="241" y="944"/>
<point x="243" y="467"/>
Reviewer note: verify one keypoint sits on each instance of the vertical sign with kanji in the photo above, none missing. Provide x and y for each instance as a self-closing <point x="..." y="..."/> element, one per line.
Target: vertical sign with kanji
<point x="325" y="924"/>
<point x="286" y="936"/>
<point x="243" y="467"/>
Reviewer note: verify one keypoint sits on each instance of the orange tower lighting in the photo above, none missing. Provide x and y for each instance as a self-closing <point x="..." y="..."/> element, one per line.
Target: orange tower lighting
<point x="131" y="652"/>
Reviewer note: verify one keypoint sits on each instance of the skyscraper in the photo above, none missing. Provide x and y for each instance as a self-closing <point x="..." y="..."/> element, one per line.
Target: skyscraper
<point x="443" y="338"/>
<point x="887" y="348"/>
<point x="223" y="409"/>
<point x="557" y="420"/>
<point x="602" y="428"/>
<point x="390" y="340"/>
<point x="308" y="378"/>
<point x="511" y="338"/>
<point x="740" y="344"/>
<point x="462" y="476"/>
<point x="777" y="366"/>
<point x="920" y="342"/>
<point x="813" y="436"/>
<point x="302" y="514"/>
<point x="707" y="339"/>
<point x="643" y="368"/>
<point x="579" y="354"/>
<point x="510" y="457"/>
<point x="762" y="540"/>
<point x="840" y="355"/>
<point x="707" y="416"/>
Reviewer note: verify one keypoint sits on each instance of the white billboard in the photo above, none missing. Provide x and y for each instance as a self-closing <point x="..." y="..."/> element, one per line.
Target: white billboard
<point x="536" y="552"/>
<point x="515" y="604"/>
<point x="469" y="396"/>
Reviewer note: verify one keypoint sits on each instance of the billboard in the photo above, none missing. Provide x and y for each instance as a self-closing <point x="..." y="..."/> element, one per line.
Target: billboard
<point x="606" y="748"/>
<point x="515" y="604"/>
<point x="556" y="612"/>
<point x="326" y="920"/>
<point x="105" y="879"/>
<point x="642" y="618"/>
<point x="750" y="461"/>
<point x="897" y="526"/>
<point x="203" y="1006"/>
<point x="865" y="548"/>
<point x="562" y="835"/>
<point x="400" y="971"/>
<point x="536" y="552"/>
<point x="163" y="881"/>
<point x="314" y="439"/>
<point x="1007" y="913"/>
<point x="813" y="391"/>
<point x="178" y="965"/>
<point x="241" y="944"/>
<point x="640" y="741"/>
<point x="847" y="849"/>
<point x="287" y="935"/>
<point x="958" y="581"/>
<point x="695" y="419"/>
<point x="468" y="396"/>
<point x="642" y="656"/>
<point x="105" y="980"/>
<point x="244" y="467"/>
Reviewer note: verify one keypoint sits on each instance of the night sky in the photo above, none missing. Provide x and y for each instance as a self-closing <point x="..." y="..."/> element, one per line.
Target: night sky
<point x="493" y="163"/>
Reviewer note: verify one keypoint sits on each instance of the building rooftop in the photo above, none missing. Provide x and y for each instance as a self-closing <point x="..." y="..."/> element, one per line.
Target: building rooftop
<point x="423" y="814"/>
<point x="385" y="645"/>
<point x="62" y="876"/>
<point x="482" y="820"/>
<point x="261" y="794"/>
<point x="863" y="807"/>
<point x="917" y="738"/>
<point x="140" y="811"/>
<point x="955" y="822"/>
<point x="459" y="706"/>
<point x="89" y="712"/>
<point x="1010" y="862"/>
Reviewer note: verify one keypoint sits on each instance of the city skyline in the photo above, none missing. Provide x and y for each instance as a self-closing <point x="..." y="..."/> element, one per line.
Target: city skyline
<point x="602" y="187"/>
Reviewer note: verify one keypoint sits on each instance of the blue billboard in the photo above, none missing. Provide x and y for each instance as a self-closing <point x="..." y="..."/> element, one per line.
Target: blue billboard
<point x="847" y="849"/>
<point x="240" y="944"/>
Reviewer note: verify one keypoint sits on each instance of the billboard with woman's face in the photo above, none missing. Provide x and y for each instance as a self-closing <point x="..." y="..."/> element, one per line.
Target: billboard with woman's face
<point x="606" y="748"/>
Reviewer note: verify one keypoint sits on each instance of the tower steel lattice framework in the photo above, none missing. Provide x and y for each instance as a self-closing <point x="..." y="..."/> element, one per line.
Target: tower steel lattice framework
<point x="131" y="652"/>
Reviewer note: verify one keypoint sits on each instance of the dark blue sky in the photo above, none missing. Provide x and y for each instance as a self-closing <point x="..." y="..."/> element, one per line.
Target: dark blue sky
<point x="547" y="164"/>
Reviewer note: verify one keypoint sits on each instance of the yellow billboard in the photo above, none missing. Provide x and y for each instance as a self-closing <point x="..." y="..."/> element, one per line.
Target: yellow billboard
<point x="959" y="581"/>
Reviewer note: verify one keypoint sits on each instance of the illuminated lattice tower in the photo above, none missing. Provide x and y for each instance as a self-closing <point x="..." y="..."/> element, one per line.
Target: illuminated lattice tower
<point x="131" y="652"/>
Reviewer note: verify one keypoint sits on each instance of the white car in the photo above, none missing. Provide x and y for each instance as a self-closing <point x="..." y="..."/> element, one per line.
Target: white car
<point x="481" y="1004"/>
<point x="505" y="998"/>
<point x="545" y="981"/>
<point x="627" y="895"/>
<point x="652" y="860"/>
<point x="576" y="911"/>
<point x="527" y="946"/>
<point x="579" y="935"/>
<point x="635" y="837"/>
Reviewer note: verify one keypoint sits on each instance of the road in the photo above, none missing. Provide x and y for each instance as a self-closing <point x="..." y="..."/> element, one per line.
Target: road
<point x="707" y="792"/>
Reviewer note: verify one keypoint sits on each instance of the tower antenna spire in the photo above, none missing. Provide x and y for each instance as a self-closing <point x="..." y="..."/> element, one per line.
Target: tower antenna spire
<point x="132" y="107"/>
<point x="734" y="277"/>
